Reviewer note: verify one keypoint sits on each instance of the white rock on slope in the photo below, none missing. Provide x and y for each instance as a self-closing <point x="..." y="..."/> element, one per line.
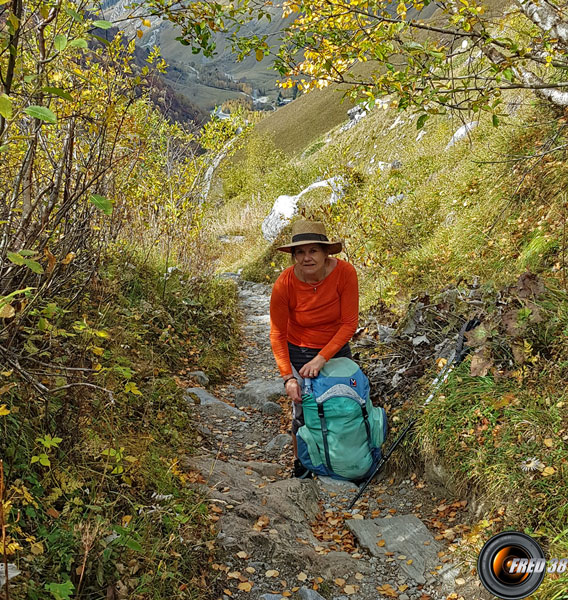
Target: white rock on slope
<point x="285" y="207"/>
<point x="461" y="133"/>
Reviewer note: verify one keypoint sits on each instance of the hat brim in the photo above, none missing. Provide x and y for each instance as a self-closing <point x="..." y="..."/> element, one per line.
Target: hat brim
<point x="332" y="247"/>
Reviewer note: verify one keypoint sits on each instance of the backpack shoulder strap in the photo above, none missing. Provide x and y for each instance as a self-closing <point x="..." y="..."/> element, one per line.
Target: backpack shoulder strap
<point x="323" y="423"/>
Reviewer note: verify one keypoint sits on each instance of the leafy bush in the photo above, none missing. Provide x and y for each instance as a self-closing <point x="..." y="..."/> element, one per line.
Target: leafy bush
<point x="97" y="498"/>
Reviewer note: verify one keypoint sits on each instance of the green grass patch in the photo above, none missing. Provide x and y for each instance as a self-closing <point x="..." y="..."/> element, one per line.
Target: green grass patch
<point x="503" y="437"/>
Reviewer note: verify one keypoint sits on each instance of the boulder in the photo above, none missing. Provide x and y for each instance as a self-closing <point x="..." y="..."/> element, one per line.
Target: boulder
<point x="271" y="408"/>
<point x="394" y="199"/>
<point x="13" y="571"/>
<point x="200" y="377"/>
<point x="285" y="207"/>
<point x="355" y="114"/>
<point x="277" y="444"/>
<point x="258" y="392"/>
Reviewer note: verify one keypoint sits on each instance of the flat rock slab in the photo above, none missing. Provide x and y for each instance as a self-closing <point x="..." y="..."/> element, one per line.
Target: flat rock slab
<point x="256" y="393"/>
<point x="404" y="535"/>
<point x="263" y="468"/>
<point x="203" y="399"/>
<point x="337" y="485"/>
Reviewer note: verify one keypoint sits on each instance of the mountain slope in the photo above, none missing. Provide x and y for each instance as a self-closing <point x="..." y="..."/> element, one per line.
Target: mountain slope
<point x="191" y="74"/>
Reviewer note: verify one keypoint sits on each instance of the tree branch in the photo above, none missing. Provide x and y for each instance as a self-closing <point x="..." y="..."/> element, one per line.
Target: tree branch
<point x="542" y="89"/>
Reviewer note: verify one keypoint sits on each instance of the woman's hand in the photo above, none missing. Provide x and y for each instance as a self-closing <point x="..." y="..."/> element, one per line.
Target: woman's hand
<point x="312" y="368"/>
<point x="293" y="390"/>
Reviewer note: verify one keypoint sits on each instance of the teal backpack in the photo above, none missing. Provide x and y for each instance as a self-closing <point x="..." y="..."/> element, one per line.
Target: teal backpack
<point x="343" y="431"/>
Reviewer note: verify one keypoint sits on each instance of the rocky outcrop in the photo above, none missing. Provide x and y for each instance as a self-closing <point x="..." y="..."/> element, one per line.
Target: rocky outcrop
<point x="285" y="207"/>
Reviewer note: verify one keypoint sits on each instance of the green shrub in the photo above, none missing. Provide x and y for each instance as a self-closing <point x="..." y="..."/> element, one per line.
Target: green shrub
<point x="82" y="464"/>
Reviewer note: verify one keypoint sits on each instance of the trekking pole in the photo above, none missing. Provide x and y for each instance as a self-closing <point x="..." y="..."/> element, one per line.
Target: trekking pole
<point x="459" y="354"/>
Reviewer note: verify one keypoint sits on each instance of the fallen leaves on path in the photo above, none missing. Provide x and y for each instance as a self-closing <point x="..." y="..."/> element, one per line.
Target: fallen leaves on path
<point x="387" y="590"/>
<point x="446" y="513"/>
<point x="262" y="522"/>
<point x="350" y="589"/>
<point x="194" y="477"/>
<point x="330" y="527"/>
<point x="245" y="586"/>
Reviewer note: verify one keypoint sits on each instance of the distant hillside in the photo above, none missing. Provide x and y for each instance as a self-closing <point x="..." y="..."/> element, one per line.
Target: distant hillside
<point x="207" y="83"/>
<point x="295" y="126"/>
<point x="162" y="93"/>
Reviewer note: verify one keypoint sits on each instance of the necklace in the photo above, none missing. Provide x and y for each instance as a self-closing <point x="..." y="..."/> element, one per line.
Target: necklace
<point x="314" y="286"/>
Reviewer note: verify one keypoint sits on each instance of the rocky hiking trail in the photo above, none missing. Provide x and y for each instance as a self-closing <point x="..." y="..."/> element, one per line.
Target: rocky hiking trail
<point x="287" y="538"/>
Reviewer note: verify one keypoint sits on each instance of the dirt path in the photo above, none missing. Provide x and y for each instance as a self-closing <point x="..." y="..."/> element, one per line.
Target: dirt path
<point x="283" y="537"/>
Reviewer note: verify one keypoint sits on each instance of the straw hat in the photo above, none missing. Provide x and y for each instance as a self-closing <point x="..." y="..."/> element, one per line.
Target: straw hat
<point x="310" y="232"/>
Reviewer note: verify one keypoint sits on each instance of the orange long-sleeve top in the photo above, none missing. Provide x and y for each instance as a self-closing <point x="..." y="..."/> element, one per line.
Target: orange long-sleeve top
<point x="325" y="318"/>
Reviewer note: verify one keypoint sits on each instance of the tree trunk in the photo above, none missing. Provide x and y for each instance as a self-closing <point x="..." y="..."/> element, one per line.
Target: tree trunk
<point x="547" y="18"/>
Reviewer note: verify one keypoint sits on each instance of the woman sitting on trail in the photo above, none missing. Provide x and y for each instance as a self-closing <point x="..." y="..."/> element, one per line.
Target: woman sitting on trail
<point x="314" y="310"/>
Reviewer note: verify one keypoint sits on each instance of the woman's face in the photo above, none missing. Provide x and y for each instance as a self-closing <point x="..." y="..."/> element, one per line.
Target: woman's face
<point x="310" y="258"/>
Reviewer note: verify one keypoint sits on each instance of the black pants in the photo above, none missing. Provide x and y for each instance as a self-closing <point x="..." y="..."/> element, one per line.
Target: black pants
<point x="299" y="356"/>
